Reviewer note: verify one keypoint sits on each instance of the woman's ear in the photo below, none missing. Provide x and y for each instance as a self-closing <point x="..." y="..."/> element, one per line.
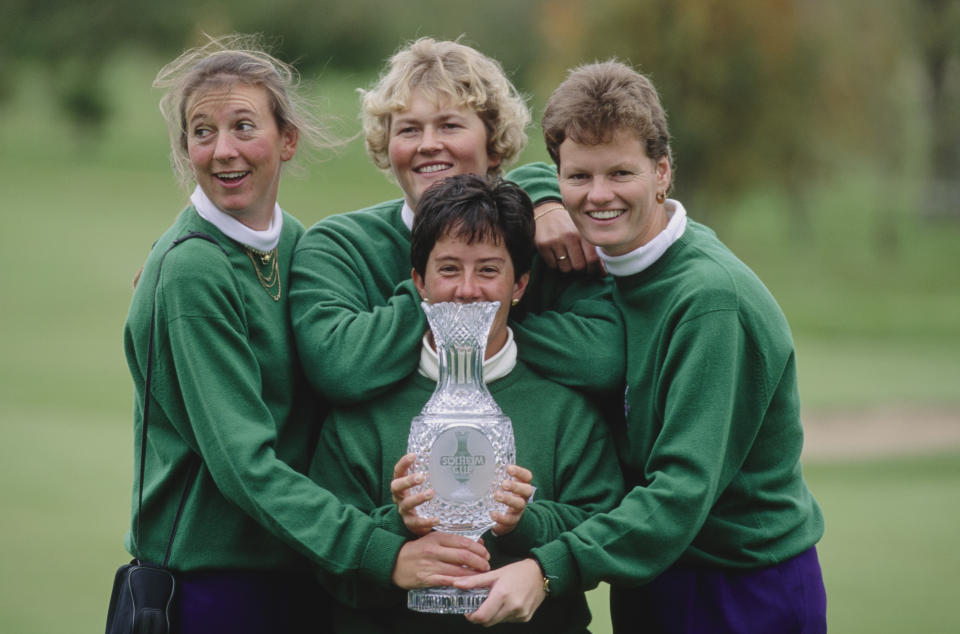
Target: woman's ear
<point x="418" y="282"/>
<point x="288" y="142"/>
<point x="520" y="286"/>
<point x="664" y="174"/>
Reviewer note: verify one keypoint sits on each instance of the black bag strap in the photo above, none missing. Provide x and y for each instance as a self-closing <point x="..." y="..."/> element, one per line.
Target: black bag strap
<point x="195" y="462"/>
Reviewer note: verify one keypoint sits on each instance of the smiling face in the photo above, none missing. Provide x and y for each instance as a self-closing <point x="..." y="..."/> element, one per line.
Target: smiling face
<point x="465" y="273"/>
<point x="236" y="150"/>
<point x="428" y="143"/>
<point x="610" y="191"/>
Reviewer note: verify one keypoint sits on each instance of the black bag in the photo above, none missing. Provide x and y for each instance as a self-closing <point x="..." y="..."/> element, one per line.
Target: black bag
<point x="141" y="600"/>
<point x="143" y="593"/>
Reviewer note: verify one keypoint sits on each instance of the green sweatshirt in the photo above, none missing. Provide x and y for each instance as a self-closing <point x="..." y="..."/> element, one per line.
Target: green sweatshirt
<point x="713" y="435"/>
<point x="227" y="385"/>
<point x="559" y="436"/>
<point x="357" y="318"/>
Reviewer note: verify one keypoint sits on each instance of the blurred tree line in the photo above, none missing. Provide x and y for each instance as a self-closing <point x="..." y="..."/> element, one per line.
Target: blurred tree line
<point x="772" y="92"/>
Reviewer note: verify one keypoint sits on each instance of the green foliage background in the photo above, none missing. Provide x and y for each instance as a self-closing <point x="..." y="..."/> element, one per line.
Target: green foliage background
<point x="804" y="135"/>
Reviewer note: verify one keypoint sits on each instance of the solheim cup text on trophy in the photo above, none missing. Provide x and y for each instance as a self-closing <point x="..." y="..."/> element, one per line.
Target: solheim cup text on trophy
<point x="463" y="442"/>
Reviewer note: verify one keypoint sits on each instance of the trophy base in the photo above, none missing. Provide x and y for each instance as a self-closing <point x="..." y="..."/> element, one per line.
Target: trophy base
<point x="446" y="600"/>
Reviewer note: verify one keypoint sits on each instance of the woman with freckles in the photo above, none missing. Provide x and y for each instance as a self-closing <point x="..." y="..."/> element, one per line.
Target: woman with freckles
<point x="440" y="109"/>
<point x="472" y="241"/>
<point x="718" y="530"/>
<point x="229" y="411"/>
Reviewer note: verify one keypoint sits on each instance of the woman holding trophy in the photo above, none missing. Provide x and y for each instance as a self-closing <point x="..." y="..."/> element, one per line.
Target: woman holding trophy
<point x="472" y="241"/>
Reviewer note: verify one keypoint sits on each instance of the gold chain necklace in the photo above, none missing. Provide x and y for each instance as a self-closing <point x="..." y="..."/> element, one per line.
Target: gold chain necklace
<point x="270" y="260"/>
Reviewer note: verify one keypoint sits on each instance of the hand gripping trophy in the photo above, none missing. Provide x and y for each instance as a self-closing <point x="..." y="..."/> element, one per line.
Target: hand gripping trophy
<point x="462" y="440"/>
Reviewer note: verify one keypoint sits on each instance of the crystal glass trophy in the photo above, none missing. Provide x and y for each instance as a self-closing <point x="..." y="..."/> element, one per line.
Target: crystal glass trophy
<point x="463" y="442"/>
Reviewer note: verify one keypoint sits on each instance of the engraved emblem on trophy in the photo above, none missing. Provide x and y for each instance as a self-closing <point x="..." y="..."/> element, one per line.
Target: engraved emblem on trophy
<point x="462" y="440"/>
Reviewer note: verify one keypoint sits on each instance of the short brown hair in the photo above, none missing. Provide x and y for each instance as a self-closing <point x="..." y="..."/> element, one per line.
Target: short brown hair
<point x="446" y="70"/>
<point x="596" y="100"/>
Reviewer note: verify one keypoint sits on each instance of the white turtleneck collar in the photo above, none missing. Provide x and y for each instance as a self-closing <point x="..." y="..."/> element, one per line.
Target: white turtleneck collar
<point x="266" y="240"/>
<point x="407" y="215"/>
<point x="496" y="367"/>
<point x="642" y="257"/>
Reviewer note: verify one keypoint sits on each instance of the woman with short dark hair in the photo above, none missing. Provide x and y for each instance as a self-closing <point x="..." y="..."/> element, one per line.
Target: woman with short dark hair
<point x="472" y="241"/>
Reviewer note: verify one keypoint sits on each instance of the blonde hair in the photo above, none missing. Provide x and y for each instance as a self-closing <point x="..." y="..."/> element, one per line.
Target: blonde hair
<point x="446" y="71"/>
<point x="223" y="61"/>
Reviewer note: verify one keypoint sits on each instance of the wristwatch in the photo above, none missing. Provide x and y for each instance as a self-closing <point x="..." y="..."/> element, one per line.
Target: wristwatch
<point x="546" y="579"/>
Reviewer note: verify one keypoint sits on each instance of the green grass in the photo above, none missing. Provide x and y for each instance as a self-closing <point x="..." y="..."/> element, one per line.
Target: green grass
<point x="79" y="215"/>
<point x="857" y="371"/>
<point x="66" y="480"/>
<point x="889" y="552"/>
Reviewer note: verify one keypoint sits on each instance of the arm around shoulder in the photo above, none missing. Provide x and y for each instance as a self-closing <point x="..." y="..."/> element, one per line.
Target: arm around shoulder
<point x="235" y="432"/>
<point x="578" y="340"/>
<point x="353" y="342"/>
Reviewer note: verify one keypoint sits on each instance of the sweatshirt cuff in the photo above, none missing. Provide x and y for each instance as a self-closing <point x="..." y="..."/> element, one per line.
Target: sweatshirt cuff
<point x="523" y="537"/>
<point x="559" y="566"/>
<point x="380" y="556"/>
<point x="408" y="288"/>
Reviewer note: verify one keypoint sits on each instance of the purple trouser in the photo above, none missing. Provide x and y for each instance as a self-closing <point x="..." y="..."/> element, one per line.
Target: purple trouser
<point x="786" y="598"/>
<point x="249" y="602"/>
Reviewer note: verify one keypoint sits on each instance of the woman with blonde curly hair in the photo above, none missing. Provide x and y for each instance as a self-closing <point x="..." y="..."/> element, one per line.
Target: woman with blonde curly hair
<point x="441" y="108"/>
<point x="223" y="420"/>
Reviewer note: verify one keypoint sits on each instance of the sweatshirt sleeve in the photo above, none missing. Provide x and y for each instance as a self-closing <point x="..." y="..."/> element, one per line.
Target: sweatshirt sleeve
<point x="569" y="330"/>
<point x="538" y="179"/>
<point x="711" y="385"/>
<point x="234" y="431"/>
<point x="586" y="480"/>
<point x="357" y="324"/>
<point x="347" y="461"/>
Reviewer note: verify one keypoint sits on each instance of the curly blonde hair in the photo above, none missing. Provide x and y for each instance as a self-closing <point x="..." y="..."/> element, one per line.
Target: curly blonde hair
<point x="446" y="72"/>
<point x="223" y="61"/>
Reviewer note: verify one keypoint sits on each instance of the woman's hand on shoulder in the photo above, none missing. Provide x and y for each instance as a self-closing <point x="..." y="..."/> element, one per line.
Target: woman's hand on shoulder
<point x="559" y="243"/>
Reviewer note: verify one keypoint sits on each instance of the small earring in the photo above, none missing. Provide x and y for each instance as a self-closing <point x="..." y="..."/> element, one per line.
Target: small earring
<point x="661" y="197"/>
<point x="515" y="302"/>
<point x="425" y="298"/>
